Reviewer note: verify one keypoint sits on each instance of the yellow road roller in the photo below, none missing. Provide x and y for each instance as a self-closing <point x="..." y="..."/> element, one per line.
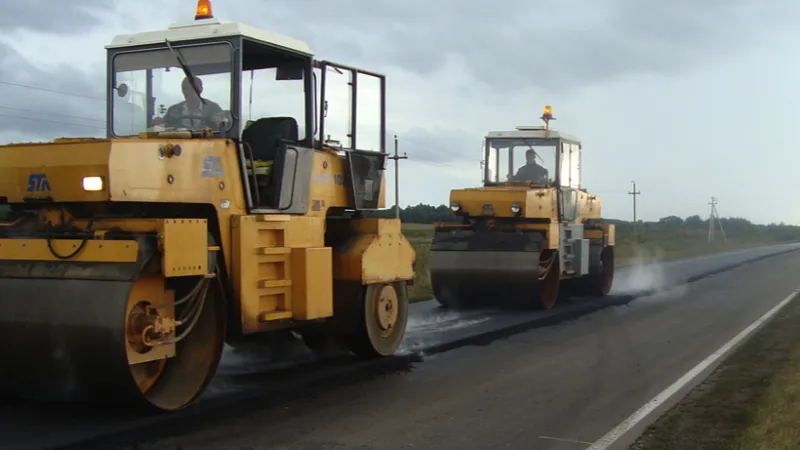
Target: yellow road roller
<point x="218" y="208"/>
<point x="531" y="234"/>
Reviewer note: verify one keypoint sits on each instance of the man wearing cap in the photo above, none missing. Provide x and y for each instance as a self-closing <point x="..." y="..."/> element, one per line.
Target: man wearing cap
<point x="531" y="171"/>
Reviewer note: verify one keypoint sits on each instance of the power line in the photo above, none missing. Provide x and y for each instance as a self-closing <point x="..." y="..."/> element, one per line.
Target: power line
<point x="53" y="114"/>
<point x="51" y="121"/>
<point x="417" y="158"/>
<point x="441" y="150"/>
<point x="36" y="88"/>
<point x="425" y="158"/>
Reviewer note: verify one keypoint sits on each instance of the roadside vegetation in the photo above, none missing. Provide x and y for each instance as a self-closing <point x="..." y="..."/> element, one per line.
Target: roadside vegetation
<point x="669" y="238"/>
<point x="750" y="402"/>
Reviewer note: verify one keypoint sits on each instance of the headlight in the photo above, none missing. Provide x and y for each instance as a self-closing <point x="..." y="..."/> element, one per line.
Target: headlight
<point x="92" y="184"/>
<point x="515" y="208"/>
<point x="455" y="207"/>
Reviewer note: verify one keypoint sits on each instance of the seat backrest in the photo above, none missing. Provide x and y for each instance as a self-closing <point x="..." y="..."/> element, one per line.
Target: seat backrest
<point x="264" y="135"/>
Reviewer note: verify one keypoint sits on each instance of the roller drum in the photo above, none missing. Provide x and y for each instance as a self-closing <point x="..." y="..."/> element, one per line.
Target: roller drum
<point x="65" y="340"/>
<point x="487" y="267"/>
<point x="480" y="278"/>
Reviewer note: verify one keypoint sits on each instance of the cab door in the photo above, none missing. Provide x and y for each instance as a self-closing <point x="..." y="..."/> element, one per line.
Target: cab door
<point x="569" y="180"/>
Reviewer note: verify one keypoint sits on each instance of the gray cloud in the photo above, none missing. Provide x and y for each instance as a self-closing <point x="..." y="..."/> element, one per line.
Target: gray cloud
<point x="47" y="104"/>
<point x="53" y="16"/>
<point x="552" y="45"/>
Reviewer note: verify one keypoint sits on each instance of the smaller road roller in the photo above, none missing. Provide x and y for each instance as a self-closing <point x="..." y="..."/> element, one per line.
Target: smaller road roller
<point x="215" y="210"/>
<point x="531" y="234"/>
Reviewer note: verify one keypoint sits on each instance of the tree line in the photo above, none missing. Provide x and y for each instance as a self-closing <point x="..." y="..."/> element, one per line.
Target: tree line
<point x="733" y="226"/>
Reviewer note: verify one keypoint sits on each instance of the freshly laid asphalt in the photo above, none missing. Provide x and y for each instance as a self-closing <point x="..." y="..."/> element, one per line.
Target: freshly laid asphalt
<point x="457" y="384"/>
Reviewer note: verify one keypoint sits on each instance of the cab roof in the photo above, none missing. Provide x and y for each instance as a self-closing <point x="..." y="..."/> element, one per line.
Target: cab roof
<point x="529" y="132"/>
<point x="209" y="28"/>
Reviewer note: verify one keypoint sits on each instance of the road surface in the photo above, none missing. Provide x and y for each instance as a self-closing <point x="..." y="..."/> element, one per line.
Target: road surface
<point x="558" y="387"/>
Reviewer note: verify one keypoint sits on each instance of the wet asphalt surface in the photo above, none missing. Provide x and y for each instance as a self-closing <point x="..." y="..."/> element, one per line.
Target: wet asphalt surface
<point x="477" y="379"/>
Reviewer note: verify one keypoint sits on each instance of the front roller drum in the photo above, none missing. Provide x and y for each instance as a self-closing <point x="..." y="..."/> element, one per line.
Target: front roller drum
<point x="93" y="340"/>
<point x="468" y="279"/>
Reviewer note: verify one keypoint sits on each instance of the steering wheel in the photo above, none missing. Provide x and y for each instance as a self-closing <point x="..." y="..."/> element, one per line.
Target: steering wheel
<point x="205" y="120"/>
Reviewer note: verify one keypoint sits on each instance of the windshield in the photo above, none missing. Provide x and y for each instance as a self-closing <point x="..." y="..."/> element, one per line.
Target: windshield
<point x="266" y="94"/>
<point x="152" y="92"/>
<point x="520" y="160"/>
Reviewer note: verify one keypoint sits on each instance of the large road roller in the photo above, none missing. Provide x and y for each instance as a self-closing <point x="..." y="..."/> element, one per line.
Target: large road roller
<point x="126" y="262"/>
<point x="531" y="234"/>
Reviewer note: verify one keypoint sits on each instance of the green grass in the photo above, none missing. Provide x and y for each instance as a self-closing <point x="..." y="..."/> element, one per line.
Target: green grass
<point x="654" y="245"/>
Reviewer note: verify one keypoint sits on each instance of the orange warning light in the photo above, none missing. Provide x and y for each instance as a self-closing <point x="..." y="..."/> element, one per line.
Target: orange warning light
<point x="547" y="116"/>
<point x="203" y="10"/>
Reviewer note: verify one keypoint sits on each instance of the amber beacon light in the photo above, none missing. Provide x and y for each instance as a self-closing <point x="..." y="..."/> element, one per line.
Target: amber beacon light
<point x="203" y="10"/>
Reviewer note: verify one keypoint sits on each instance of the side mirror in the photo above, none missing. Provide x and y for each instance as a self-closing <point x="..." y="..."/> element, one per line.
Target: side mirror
<point x="122" y="90"/>
<point x="289" y="72"/>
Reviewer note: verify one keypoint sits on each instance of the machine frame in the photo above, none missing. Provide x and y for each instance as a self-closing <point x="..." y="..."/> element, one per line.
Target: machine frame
<point x="152" y="250"/>
<point x="517" y="241"/>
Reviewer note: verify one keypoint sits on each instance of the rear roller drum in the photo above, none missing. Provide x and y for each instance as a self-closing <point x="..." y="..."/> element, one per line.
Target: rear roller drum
<point x="384" y="316"/>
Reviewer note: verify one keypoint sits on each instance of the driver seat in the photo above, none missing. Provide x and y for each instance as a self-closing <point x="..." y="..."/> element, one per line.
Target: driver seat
<point x="265" y="135"/>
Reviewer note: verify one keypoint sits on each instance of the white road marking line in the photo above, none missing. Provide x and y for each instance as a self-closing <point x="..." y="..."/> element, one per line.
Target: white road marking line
<point x="564" y="440"/>
<point x="640" y="414"/>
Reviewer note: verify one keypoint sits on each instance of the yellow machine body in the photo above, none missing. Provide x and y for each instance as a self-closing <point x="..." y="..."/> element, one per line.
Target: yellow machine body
<point x="519" y="241"/>
<point x="127" y="262"/>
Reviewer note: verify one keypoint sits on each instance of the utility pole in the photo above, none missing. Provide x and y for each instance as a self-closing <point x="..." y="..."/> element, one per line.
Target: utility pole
<point x="714" y="215"/>
<point x="396" y="158"/>
<point x="634" y="193"/>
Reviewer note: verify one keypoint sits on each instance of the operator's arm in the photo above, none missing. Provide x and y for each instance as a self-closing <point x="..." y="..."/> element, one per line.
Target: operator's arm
<point x="523" y="174"/>
<point x="214" y="114"/>
<point x="170" y="119"/>
<point x="542" y="175"/>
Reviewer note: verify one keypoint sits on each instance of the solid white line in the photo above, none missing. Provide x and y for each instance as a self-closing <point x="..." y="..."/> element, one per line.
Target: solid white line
<point x="564" y="440"/>
<point x="626" y="425"/>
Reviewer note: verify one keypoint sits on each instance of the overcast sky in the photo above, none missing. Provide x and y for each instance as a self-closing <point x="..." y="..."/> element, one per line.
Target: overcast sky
<point x="689" y="99"/>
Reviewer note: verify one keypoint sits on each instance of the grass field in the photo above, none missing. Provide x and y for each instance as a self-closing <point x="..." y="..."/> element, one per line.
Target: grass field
<point x="655" y="245"/>
<point x="750" y="402"/>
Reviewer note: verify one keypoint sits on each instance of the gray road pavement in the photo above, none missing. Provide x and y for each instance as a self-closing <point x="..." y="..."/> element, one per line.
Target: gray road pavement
<point x="568" y="381"/>
<point x="551" y="388"/>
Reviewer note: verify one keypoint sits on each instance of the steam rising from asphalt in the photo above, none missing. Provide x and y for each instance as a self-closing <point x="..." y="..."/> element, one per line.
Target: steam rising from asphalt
<point x="425" y="331"/>
<point x="647" y="274"/>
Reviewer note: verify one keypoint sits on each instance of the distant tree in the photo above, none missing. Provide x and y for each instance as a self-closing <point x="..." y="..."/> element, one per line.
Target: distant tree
<point x="695" y="221"/>
<point x="733" y="226"/>
<point x="673" y="222"/>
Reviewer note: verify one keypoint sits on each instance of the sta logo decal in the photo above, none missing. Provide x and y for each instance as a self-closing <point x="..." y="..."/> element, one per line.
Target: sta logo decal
<point x="37" y="182"/>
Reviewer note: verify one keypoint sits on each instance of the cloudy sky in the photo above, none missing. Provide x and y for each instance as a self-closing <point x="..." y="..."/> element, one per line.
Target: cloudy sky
<point x="689" y="99"/>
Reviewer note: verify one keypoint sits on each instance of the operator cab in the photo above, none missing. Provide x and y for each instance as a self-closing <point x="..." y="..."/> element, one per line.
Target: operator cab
<point x="217" y="79"/>
<point x="535" y="157"/>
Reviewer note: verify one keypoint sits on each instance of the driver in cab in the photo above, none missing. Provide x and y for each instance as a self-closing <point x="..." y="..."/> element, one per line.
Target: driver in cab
<point x="192" y="113"/>
<point x="531" y="171"/>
